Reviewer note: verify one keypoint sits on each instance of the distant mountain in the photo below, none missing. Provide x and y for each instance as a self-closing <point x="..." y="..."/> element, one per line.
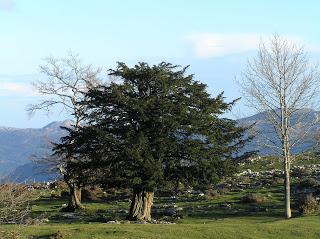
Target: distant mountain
<point x="30" y="172"/>
<point x="18" y="145"/>
<point x="301" y="122"/>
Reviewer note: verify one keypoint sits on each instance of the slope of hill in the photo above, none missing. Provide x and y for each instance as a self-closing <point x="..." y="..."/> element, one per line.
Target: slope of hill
<point x="18" y="145"/>
<point x="305" y="121"/>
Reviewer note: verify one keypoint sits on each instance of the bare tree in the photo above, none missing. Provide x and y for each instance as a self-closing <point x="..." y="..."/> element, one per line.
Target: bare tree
<point x="66" y="82"/>
<point x="281" y="82"/>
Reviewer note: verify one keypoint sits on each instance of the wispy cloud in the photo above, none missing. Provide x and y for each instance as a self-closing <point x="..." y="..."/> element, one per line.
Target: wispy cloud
<point x="206" y="45"/>
<point x="15" y="89"/>
<point x="7" y="5"/>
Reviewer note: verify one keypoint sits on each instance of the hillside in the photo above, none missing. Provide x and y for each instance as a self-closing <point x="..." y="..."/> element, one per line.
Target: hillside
<point x="17" y="146"/>
<point x="301" y="121"/>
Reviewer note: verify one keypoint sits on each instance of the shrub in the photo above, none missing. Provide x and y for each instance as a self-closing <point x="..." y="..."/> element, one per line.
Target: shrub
<point x="58" y="235"/>
<point x="212" y="194"/>
<point x="14" y="203"/>
<point x="92" y="194"/>
<point x="9" y="235"/>
<point x="223" y="188"/>
<point x="277" y="181"/>
<point x="308" y="205"/>
<point x="301" y="172"/>
<point x="310" y="182"/>
<point x="55" y="194"/>
<point x="244" y="179"/>
<point x="253" y="198"/>
<point x="60" y="185"/>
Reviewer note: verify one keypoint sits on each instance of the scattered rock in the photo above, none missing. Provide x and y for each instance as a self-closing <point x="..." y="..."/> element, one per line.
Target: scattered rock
<point x="113" y="222"/>
<point x="225" y="205"/>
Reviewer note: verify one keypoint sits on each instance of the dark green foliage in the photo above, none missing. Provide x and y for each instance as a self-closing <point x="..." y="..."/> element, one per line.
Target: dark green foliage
<point x="157" y="126"/>
<point x="75" y="153"/>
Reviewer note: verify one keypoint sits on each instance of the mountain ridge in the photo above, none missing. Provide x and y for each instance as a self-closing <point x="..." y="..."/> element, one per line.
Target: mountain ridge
<point x="17" y="145"/>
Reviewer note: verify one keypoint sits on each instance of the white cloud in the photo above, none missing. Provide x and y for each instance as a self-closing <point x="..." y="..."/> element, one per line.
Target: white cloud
<point x="206" y="45"/>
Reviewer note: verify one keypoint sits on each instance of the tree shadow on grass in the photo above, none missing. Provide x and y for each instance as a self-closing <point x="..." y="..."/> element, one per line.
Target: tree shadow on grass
<point x="264" y="212"/>
<point x="43" y="237"/>
<point x="230" y="205"/>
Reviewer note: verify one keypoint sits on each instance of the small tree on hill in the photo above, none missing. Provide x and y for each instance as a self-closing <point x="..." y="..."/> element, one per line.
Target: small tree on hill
<point x="67" y="81"/>
<point x="158" y="125"/>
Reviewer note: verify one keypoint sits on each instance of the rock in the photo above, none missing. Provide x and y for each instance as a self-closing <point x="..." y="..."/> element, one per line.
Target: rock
<point x="124" y="211"/>
<point x="71" y="216"/>
<point x="170" y="212"/>
<point x="225" y="205"/>
<point x="113" y="222"/>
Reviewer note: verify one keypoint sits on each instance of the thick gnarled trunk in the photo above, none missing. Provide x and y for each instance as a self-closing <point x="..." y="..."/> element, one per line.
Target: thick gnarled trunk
<point x="141" y="204"/>
<point x="75" y="199"/>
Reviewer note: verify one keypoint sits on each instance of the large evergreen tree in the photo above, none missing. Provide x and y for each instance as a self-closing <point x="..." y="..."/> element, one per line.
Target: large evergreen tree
<point x="155" y="125"/>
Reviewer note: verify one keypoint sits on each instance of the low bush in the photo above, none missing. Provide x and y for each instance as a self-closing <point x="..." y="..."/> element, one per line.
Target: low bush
<point x="301" y="172"/>
<point x="253" y="198"/>
<point x="223" y="188"/>
<point x="58" y="235"/>
<point x="9" y="235"/>
<point x="310" y="182"/>
<point x="15" y="203"/>
<point x="60" y="185"/>
<point x="92" y="194"/>
<point x="55" y="194"/>
<point x="277" y="181"/>
<point x="212" y="194"/>
<point x="308" y="205"/>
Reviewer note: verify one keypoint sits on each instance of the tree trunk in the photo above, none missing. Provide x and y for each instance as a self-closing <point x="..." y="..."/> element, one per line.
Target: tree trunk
<point x="286" y="155"/>
<point x="287" y="187"/>
<point x="75" y="199"/>
<point x="141" y="204"/>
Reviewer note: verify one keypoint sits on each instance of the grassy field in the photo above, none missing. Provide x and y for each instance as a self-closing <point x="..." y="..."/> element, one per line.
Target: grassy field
<point x="224" y="217"/>
<point x="249" y="227"/>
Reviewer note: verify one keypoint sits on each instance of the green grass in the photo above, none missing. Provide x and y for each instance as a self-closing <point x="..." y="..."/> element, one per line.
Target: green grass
<point x="200" y="217"/>
<point x="237" y="228"/>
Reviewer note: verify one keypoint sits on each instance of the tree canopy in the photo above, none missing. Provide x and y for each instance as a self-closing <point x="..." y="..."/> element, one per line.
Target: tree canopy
<point x="156" y="125"/>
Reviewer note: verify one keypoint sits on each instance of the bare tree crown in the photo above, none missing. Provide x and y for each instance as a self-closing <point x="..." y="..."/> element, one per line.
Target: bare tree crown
<point x="66" y="81"/>
<point x="281" y="81"/>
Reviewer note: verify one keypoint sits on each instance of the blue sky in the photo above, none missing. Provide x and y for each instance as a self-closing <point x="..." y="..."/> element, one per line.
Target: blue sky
<point x="214" y="37"/>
